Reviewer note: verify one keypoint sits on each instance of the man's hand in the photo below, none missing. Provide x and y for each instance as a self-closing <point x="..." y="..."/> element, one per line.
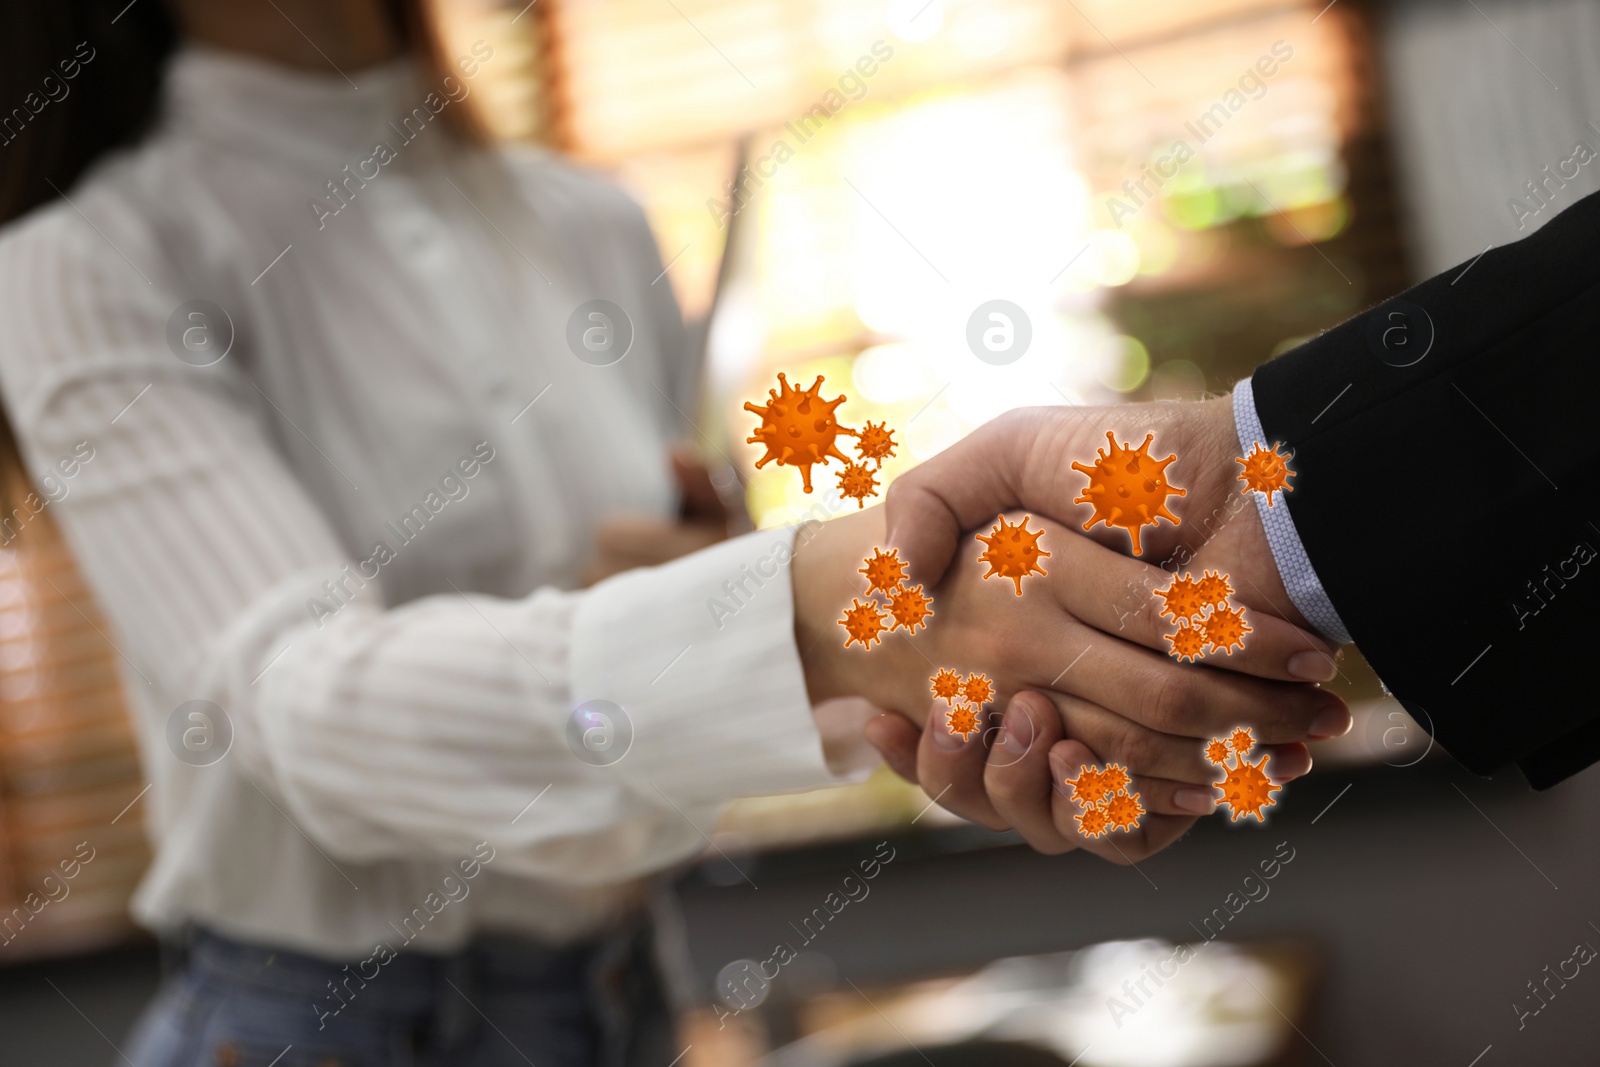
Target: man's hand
<point x="1024" y="459"/>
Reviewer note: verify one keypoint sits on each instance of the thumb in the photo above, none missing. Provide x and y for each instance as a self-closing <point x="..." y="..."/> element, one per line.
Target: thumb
<point x="928" y="507"/>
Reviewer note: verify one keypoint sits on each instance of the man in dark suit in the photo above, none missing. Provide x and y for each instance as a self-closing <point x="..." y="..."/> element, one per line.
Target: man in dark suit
<point x="1436" y="515"/>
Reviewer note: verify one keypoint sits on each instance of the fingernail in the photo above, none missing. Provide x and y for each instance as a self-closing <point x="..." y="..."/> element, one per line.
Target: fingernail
<point x="871" y="730"/>
<point x="1313" y="666"/>
<point x="1059" y="769"/>
<point x="943" y="739"/>
<point x="1013" y="730"/>
<point x="1332" y="721"/>
<point x="1194" y="799"/>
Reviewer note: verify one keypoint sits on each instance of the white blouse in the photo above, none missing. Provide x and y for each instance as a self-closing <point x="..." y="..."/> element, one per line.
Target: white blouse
<point x="358" y="533"/>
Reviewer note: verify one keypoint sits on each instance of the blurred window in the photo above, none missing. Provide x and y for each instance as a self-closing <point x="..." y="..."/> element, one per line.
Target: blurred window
<point x="909" y="160"/>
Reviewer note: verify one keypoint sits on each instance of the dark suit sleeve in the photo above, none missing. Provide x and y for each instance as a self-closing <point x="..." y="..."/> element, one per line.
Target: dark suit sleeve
<point x="1445" y="444"/>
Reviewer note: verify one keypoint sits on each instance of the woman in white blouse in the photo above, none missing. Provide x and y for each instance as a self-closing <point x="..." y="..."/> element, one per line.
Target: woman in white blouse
<point x="346" y="474"/>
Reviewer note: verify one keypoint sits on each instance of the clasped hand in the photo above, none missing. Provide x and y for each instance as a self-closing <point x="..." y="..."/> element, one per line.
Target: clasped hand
<point x="1080" y="661"/>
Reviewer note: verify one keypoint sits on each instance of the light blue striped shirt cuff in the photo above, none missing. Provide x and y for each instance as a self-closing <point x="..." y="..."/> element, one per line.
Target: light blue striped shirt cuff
<point x="1294" y="566"/>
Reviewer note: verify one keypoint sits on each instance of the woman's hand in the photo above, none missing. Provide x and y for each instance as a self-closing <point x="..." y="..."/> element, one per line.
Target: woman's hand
<point x="1117" y="694"/>
<point x="624" y="542"/>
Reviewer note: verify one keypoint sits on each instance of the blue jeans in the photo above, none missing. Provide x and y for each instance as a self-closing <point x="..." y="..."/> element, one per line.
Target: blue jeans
<point x="497" y="1002"/>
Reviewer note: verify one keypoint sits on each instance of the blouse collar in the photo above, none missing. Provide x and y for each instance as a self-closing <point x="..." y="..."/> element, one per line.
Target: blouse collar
<point x="247" y="104"/>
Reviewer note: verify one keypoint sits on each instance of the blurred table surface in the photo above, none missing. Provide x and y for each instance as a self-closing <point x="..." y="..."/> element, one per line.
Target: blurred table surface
<point x="1436" y="896"/>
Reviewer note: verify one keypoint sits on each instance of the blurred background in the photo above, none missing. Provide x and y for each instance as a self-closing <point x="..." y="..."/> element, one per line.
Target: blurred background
<point x="938" y="154"/>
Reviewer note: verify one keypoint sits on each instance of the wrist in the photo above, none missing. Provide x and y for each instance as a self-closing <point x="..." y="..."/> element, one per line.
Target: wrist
<point x="1207" y="445"/>
<point x="825" y="578"/>
<point x="1238" y="539"/>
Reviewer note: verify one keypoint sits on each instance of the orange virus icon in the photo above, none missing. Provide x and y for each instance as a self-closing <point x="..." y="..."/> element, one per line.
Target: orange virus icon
<point x="1124" y="810"/>
<point x="798" y="428"/>
<point x="963" y="721"/>
<point x="1213" y="589"/>
<point x="1013" y="551"/>
<point x="1088" y="789"/>
<point x="1266" y="470"/>
<point x="978" y="689"/>
<point x="1106" y="800"/>
<point x="1225" y="627"/>
<point x="863" y="622"/>
<point x="1188" y="643"/>
<point x="910" y="607"/>
<point x="1246" y="789"/>
<point x="1128" y="488"/>
<point x="1203" y="614"/>
<point x="857" y="482"/>
<point x="1093" y="822"/>
<point x="1182" y="599"/>
<point x="875" y="443"/>
<point x="884" y="570"/>
<point x="946" y="685"/>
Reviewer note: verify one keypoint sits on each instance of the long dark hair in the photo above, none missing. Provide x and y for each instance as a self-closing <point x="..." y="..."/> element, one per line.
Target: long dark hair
<point x="77" y="79"/>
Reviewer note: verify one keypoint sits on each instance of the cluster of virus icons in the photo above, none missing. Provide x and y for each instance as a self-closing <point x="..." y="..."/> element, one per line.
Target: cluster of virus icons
<point x="889" y="596"/>
<point x="800" y="429"/>
<point x="1128" y="490"/>
<point x="1246" y="789"/>
<point x="1105" y="800"/>
<point x="1205" y="619"/>
<point x="972" y="692"/>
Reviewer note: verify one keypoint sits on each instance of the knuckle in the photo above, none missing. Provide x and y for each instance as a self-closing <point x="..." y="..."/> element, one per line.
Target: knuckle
<point x="1001" y="786"/>
<point x="1168" y="698"/>
<point x="895" y="498"/>
<point x="1139" y="748"/>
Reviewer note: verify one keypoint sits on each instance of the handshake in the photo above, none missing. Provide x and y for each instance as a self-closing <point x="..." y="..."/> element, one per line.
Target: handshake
<point x="1082" y="664"/>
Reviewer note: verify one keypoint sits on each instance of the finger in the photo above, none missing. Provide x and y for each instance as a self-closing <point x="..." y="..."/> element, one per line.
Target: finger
<point x="896" y="738"/>
<point x="700" y="497"/>
<point x="950" y="769"/>
<point x="1017" y="776"/>
<point x="1153" y="754"/>
<point x="1285" y="763"/>
<point x="1166" y="797"/>
<point x="1162" y="796"/>
<point x="1067" y="652"/>
<point x="1156" y="692"/>
<point x="1119" y="596"/>
<point x="1154" y="832"/>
